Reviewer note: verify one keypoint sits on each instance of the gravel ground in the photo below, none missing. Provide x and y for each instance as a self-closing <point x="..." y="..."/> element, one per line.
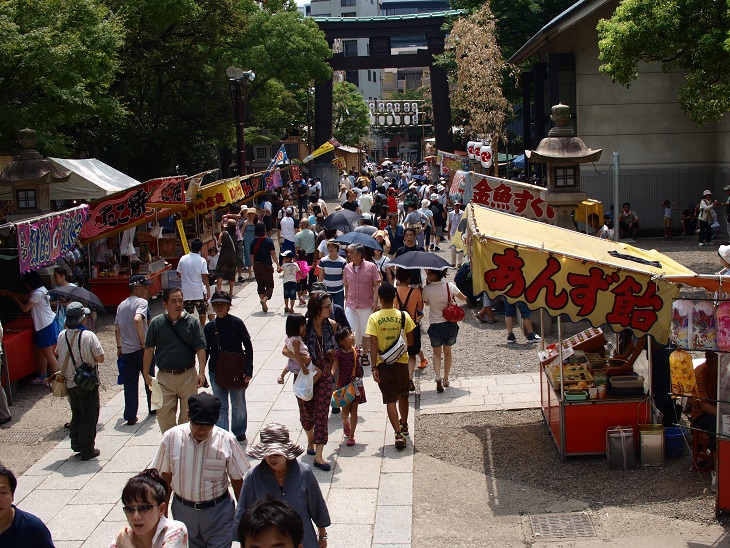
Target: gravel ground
<point x="676" y="491"/>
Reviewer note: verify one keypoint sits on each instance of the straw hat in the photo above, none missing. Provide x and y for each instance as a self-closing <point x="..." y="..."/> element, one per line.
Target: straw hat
<point x="252" y="211"/>
<point x="275" y="441"/>
<point x="724" y="252"/>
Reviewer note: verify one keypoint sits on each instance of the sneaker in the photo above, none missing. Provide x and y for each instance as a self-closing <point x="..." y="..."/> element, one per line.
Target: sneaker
<point x="241" y="437"/>
<point x="533" y="337"/>
<point x="403" y="428"/>
<point x="335" y="410"/>
<point x="511" y="338"/>
<point x="240" y="279"/>
<point x="700" y="244"/>
<point x="431" y="247"/>
<point x="40" y="381"/>
<point x="437" y="248"/>
<point x="95" y="453"/>
<point x="400" y="441"/>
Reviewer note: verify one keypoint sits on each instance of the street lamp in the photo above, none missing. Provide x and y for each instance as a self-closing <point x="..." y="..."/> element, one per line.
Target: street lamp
<point x="235" y="77"/>
<point x="310" y="90"/>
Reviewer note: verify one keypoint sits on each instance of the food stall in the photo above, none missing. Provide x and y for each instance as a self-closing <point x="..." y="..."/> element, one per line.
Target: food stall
<point x="122" y="212"/>
<point x="578" y="277"/>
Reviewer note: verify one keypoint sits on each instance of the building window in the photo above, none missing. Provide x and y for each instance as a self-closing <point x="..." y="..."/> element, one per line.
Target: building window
<point x="26" y="199"/>
<point x="349" y="48"/>
<point x="370" y="76"/>
<point x="565" y="177"/>
<point x="262" y="152"/>
<point x="349" y="14"/>
<point x="353" y="76"/>
<point x="347" y="3"/>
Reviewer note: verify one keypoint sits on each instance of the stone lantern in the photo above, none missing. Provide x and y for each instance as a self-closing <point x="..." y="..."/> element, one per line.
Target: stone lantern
<point x="29" y="177"/>
<point x="563" y="152"/>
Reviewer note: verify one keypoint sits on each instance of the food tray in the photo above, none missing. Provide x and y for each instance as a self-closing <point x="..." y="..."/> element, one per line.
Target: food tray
<point x="630" y="385"/>
<point x="572" y="374"/>
<point x="576" y="395"/>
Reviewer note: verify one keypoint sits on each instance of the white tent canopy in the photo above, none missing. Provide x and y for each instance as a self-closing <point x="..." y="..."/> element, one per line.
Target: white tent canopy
<point x="90" y="179"/>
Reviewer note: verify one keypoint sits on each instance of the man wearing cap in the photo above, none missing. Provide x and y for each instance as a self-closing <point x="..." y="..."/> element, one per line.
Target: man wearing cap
<point x="192" y="270"/>
<point x="287" y="231"/>
<point x="130" y="327"/>
<point x="199" y="461"/>
<point x="174" y="339"/>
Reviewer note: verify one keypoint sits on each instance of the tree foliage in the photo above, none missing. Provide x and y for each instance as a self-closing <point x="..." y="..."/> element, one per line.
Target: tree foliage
<point x="350" y="114"/>
<point x="479" y="72"/>
<point x="59" y="58"/>
<point x="690" y="35"/>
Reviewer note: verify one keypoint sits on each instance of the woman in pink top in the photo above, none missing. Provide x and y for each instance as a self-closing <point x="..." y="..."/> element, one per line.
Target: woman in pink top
<point x="362" y="279"/>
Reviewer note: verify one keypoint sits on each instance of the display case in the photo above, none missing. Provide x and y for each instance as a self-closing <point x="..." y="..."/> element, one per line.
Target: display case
<point x="112" y="290"/>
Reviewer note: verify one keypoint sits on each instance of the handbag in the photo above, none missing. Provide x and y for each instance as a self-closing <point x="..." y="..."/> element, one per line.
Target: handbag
<point x="230" y="369"/>
<point x="394" y="352"/>
<point x="86" y="375"/>
<point x="347" y="394"/>
<point x="58" y="381"/>
<point x="452" y="312"/>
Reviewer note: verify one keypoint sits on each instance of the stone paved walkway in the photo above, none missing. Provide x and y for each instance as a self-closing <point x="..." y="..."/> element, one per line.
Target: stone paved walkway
<point x="368" y="492"/>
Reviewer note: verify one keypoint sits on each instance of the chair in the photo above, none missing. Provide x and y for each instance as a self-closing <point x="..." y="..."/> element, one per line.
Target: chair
<point x="702" y="456"/>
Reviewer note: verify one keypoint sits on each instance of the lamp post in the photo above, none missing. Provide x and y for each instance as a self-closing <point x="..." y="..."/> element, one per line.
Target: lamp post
<point x="310" y="90"/>
<point x="235" y="77"/>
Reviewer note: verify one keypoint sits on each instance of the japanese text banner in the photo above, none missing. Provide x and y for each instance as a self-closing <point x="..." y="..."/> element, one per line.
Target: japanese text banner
<point x="510" y="196"/>
<point x="223" y="193"/>
<point x="41" y="241"/>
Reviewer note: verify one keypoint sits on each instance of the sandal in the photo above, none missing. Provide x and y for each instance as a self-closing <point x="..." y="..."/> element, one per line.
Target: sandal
<point x="479" y="318"/>
<point x="365" y="361"/>
<point x="439" y="386"/>
<point x="280" y="379"/>
<point x="350" y="442"/>
<point x="400" y="441"/>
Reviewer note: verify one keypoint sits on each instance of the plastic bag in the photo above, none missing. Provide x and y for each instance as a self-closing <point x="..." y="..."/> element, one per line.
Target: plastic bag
<point x="304" y="385"/>
<point x="156" y="399"/>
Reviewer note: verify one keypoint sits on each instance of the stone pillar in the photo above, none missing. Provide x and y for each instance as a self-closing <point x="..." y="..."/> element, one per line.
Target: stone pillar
<point x="440" y="98"/>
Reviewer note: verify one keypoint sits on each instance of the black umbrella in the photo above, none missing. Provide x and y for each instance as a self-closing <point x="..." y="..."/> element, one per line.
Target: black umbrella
<point x="419" y="178"/>
<point x="390" y="174"/>
<point x="76" y="293"/>
<point x="342" y="218"/>
<point x="359" y="238"/>
<point x="420" y="259"/>
<point x="421" y="164"/>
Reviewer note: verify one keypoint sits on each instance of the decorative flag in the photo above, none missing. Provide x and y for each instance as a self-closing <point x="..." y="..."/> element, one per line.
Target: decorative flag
<point x="329" y="146"/>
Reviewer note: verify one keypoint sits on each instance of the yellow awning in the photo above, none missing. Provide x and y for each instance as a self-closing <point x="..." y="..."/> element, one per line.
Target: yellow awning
<point x="570" y="273"/>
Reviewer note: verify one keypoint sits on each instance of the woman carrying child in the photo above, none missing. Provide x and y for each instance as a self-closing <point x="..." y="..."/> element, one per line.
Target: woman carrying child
<point x="296" y="328"/>
<point x="347" y="363"/>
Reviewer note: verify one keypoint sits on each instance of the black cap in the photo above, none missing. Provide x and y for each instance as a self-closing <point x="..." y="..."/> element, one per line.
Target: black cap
<point x="204" y="408"/>
<point x="139" y="279"/>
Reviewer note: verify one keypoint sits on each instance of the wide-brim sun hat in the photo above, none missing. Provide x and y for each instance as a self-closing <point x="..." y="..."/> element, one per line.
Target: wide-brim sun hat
<point x="274" y="441"/>
<point x="724" y="252"/>
<point x="707" y="193"/>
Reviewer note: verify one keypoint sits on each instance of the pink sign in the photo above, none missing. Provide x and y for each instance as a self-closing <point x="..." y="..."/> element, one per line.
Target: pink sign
<point x="42" y="241"/>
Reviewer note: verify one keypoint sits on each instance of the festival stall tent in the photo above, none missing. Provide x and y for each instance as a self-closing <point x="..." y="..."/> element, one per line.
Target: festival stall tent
<point x="579" y="277"/>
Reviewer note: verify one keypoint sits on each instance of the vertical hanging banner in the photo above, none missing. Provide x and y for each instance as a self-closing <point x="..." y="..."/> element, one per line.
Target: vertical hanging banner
<point x="295" y="173"/>
<point x="183" y="237"/>
<point x="43" y="240"/>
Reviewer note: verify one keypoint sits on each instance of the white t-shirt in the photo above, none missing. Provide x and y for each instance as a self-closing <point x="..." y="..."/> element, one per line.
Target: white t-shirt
<point x="290" y="271"/>
<point x="287" y="228"/>
<point x="435" y="295"/>
<point x="191" y="268"/>
<point x="366" y="202"/>
<point x="42" y="313"/>
<point x="213" y="262"/>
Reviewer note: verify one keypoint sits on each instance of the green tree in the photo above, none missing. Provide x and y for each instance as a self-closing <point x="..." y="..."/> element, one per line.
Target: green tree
<point x="350" y="114"/>
<point x="690" y="35"/>
<point x="59" y="58"/>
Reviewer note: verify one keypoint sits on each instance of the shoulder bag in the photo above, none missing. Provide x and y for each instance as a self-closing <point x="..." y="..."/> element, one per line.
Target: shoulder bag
<point x="347" y="394"/>
<point x="452" y="312"/>
<point x="394" y="352"/>
<point x="58" y="381"/>
<point x="230" y="369"/>
<point x="87" y="376"/>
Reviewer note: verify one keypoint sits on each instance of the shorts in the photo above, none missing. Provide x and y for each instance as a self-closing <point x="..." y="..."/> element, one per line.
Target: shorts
<point x="415" y="348"/>
<point x="511" y="309"/>
<point x="443" y="334"/>
<point x="290" y="290"/>
<point x="201" y="305"/>
<point x="439" y="231"/>
<point x="667" y="223"/>
<point x="394" y="380"/>
<point x="48" y="336"/>
<point x="239" y="253"/>
<point x="269" y="223"/>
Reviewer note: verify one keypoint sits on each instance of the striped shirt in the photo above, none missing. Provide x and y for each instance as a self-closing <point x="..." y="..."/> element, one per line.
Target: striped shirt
<point x="333" y="273"/>
<point x="200" y="471"/>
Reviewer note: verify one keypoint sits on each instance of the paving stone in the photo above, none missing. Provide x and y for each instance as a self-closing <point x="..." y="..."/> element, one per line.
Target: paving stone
<point x="393" y="524"/>
<point x="105" y="487"/>
<point x="363" y="472"/>
<point x="116" y="514"/>
<point x="350" y="535"/>
<point x="26" y="485"/>
<point x="109" y="445"/>
<point x="73" y="474"/>
<point x="519" y="378"/>
<point x="478" y="381"/>
<point x="349" y="505"/>
<point x="67" y="543"/>
<point x="131" y="459"/>
<point x="395" y="489"/>
<point x="51" y="461"/>
<point x="514" y="388"/>
<point x="148" y="434"/>
<point x="397" y="460"/>
<point x="103" y="535"/>
<point x="46" y="505"/>
<point x="67" y="525"/>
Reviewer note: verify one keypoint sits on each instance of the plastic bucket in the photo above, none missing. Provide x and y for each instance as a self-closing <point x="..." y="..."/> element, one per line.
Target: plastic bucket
<point x="674" y="441"/>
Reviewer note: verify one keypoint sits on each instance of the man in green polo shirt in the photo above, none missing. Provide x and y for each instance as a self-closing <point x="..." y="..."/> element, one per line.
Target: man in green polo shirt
<point x="174" y="339"/>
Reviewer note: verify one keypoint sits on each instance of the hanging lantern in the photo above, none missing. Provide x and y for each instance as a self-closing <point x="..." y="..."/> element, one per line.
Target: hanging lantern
<point x="485" y="156"/>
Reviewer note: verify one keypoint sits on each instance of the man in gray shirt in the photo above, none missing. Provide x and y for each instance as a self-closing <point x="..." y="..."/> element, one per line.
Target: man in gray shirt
<point x="130" y="327"/>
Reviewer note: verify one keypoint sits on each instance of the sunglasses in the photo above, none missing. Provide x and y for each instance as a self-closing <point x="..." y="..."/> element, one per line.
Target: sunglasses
<point x="142" y="509"/>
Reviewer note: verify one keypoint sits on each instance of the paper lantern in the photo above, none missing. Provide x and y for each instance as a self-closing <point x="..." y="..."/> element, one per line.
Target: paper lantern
<point x="485" y="156"/>
<point x="477" y="147"/>
<point x="470" y="149"/>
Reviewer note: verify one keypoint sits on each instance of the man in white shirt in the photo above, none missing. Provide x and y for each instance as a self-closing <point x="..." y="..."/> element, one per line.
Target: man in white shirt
<point x="192" y="270"/>
<point x="287" y="232"/>
<point x="200" y="461"/>
<point x="366" y="200"/>
<point x="456" y="255"/>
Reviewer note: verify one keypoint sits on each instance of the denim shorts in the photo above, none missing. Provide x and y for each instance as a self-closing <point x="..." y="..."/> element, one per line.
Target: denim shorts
<point x="290" y="290"/>
<point x="511" y="309"/>
<point x="443" y="334"/>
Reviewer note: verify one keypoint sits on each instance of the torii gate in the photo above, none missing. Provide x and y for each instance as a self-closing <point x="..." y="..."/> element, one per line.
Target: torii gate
<point x="379" y="30"/>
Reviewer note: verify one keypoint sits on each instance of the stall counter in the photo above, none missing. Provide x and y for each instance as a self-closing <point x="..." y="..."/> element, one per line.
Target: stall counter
<point x="579" y="427"/>
<point x="112" y="290"/>
<point x="19" y="349"/>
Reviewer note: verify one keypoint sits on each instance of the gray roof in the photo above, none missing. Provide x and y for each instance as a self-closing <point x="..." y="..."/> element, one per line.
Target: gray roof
<point x="378" y="18"/>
